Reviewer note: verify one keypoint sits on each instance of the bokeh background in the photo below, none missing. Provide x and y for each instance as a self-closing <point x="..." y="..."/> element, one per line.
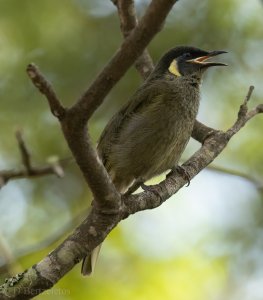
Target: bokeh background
<point x="205" y="242"/>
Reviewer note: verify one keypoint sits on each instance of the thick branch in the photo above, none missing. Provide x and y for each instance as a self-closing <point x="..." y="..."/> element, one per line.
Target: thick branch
<point x="212" y="146"/>
<point x="74" y="120"/>
<point x="97" y="225"/>
<point x="51" y="239"/>
<point x="144" y="64"/>
<point x="74" y="124"/>
<point x="56" y="264"/>
<point x="130" y="50"/>
<point x="128" y="21"/>
<point x="78" y="140"/>
<point x="104" y="192"/>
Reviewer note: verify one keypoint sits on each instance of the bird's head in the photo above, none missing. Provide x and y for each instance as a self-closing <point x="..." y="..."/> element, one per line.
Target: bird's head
<point x="185" y="60"/>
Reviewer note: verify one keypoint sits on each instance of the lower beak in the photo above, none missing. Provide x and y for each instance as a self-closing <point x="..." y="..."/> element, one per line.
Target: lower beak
<point x="202" y="60"/>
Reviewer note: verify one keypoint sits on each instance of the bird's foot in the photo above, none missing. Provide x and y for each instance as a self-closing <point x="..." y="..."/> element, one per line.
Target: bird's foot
<point x="180" y="170"/>
<point x="212" y="133"/>
<point x="150" y="188"/>
<point x="140" y="183"/>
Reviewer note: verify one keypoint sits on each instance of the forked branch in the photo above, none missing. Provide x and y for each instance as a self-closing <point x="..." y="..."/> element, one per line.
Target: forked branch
<point x="29" y="170"/>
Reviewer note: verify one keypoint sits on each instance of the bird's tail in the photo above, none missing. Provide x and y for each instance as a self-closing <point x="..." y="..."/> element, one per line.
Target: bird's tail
<point x="89" y="262"/>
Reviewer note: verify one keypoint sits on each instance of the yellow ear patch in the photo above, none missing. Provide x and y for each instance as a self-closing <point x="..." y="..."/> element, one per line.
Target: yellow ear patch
<point x="173" y="68"/>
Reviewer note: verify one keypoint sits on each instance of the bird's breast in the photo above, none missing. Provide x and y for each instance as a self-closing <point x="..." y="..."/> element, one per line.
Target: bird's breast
<point x="153" y="139"/>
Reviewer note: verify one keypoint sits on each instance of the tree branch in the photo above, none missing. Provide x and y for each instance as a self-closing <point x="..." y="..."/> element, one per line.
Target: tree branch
<point x="132" y="47"/>
<point x="30" y="171"/>
<point x="144" y="64"/>
<point x="128" y="21"/>
<point x="56" y="264"/>
<point x="79" y="142"/>
<point x="243" y="115"/>
<point x="107" y="211"/>
<point x="53" y="237"/>
<point x="45" y="88"/>
<point x="201" y="132"/>
<point x="74" y="122"/>
<point x="97" y="225"/>
<point x="212" y="146"/>
<point x="24" y="151"/>
<point x="256" y="181"/>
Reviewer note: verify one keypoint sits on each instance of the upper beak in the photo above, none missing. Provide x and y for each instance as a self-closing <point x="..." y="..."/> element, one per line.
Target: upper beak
<point x="203" y="59"/>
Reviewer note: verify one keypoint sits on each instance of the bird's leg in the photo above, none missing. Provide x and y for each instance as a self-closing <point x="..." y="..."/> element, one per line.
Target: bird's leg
<point x="136" y="184"/>
<point x="210" y="134"/>
<point x="139" y="182"/>
<point x="180" y="170"/>
<point x="149" y="188"/>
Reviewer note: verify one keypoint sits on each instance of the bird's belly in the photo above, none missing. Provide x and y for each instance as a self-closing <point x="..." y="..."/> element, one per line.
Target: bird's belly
<point x="151" y="147"/>
<point x="166" y="148"/>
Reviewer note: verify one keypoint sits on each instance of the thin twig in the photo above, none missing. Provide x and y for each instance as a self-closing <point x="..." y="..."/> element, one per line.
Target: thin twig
<point x="7" y="175"/>
<point x="255" y="181"/>
<point x="45" y="88"/>
<point x="29" y="171"/>
<point x="26" y="160"/>
<point x="249" y="94"/>
<point x="243" y="114"/>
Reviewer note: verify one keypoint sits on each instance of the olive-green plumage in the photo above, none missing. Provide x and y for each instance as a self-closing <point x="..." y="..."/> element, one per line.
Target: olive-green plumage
<point x="148" y="135"/>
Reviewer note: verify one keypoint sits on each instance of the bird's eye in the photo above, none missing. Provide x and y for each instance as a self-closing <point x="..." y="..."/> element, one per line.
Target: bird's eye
<point x="187" y="55"/>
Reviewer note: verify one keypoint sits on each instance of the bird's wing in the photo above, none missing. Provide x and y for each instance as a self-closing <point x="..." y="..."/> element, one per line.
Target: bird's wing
<point x="146" y="95"/>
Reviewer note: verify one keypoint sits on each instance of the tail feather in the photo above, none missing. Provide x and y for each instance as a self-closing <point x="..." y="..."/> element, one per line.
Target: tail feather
<point x="89" y="262"/>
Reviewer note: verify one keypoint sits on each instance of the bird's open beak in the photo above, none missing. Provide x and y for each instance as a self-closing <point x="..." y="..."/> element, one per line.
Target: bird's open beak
<point x="203" y="59"/>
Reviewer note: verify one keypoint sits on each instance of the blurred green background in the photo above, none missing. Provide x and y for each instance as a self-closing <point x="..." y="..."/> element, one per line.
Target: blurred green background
<point x="205" y="242"/>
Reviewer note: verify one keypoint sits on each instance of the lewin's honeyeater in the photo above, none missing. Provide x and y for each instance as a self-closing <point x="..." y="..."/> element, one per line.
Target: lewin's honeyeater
<point x="150" y="132"/>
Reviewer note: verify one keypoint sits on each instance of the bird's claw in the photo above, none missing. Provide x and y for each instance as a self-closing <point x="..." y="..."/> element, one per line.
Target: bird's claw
<point x="149" y="188"/>
<point x="180" y="170"/>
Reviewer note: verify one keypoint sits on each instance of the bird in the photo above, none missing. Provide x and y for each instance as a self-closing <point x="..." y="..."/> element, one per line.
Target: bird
<point x="148" y="135"/>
